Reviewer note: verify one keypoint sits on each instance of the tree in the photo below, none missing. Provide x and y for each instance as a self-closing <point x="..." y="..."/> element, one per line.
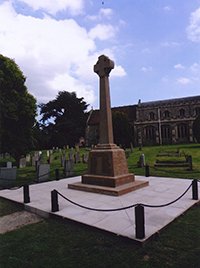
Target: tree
<point x="17" y="110"/>
<point x="196" y="128"/>
<point x="64" y="119"/>
<point x="122" y="130"/>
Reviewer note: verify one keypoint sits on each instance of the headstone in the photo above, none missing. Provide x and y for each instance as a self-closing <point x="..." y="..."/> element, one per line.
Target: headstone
<point x="28" y="158"/>
<point x="189" y="160"/>
<point x="141" y="162"/>
<point x="33" y="159"/>
<point x="77" y="157"/>
<point x="71" y="155"/>
<point x="68" y="168"/>
<point x="37" y="155"/>
<point x="43" y="172"/>
<point x="7" y="176"/>
<point x="9" y="164"/>
<point x="63" y="158"/>
<point x="85" y="158"/>
<point x="22" y="162"/>
<point x="131" y="147"/>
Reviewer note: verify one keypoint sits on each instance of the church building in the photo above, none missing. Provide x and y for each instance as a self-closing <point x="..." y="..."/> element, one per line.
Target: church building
<point x="156" y="122"/>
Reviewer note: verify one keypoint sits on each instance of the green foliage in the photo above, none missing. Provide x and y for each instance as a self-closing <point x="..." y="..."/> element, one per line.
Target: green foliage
<point x="122" y="130"/>
<point x="63" y="119"/>
<point x="196" y="128"/>
<point x="18" y="110"/>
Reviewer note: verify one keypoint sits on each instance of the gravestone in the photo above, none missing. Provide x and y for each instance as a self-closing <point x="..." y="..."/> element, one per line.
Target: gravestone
<point x="43" y="172"/>
<point x="85" y="158"/>
<point x="63" y="158"/>
<point x="107" y="165"/>
<point x="48" y="153"/>
<point x="9" y="164"/>
<point x="68" y="168"/>
<point x="141" y="162"/>
<point x="7" y="176"/>
<point x="22" y="162"/>
<point x="77" y="157"/>
<point x="33" y="160"/>
<point x="28" y="158"/>
<point x="71" y="155"/>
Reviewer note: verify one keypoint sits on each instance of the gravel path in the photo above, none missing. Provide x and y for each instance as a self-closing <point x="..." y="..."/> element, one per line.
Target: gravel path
<point x="17" y="220"/>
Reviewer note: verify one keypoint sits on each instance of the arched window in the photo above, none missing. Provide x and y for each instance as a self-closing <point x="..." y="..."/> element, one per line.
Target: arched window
<point x="166" y="134"/>
<point x="197" y="111"/>
<point x="150" y="134"/>
<point x="183" y="131"/>
<point x="182" y="112"/>
<point x="166" y="114"/>
<point x="151" y="116"/>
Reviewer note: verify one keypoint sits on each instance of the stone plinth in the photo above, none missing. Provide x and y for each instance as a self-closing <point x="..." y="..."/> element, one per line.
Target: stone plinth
<point x="108" y="173"/>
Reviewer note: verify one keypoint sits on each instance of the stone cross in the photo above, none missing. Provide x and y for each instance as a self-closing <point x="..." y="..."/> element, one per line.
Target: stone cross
<point x="103" y="68"/>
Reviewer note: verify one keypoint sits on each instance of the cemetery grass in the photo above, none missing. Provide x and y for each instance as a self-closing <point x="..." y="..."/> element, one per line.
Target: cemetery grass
<point x="8" y="207"/>
<point x="51" y="243"/>
<point x="27" y="175"/>
<point x="151" y="155"/>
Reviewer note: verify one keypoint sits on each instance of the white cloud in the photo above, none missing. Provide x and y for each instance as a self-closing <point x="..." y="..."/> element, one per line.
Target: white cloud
<point x="54" y="6"/>
<point x="184" y="81"/>
<point x="146" y="50"/>
<point x="69" y="83"/>
<point x="146" y="69"/>
<point x="179" y="66"/>
<point x="167" y="8"/>
<point x="195" y="68"/>
<point x="170" y="44"/>
<point x="104" y="13"/>
<point x="53" y="55"/>
<point x="193" y="30"/>
<point x="102" y="32"/>
<point x="118" y="71"/>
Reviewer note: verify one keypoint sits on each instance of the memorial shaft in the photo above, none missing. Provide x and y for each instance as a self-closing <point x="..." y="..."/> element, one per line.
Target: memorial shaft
<point x="103" y="67"/>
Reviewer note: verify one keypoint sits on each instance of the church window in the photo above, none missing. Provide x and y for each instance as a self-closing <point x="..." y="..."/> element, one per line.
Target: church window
<point x="182" y="112"/>
<point x="166" y="114"/>
<point x="152" y="116"/>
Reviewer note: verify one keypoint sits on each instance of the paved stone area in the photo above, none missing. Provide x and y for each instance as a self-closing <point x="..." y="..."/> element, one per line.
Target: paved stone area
<point x="160" y="191"/>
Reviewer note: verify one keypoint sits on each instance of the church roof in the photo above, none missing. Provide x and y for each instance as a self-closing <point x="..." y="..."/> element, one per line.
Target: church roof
<point x="130" y="110"/>
<point x="169" y="101"/>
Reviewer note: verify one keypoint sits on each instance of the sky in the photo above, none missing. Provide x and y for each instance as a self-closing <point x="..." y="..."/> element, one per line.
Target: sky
<point x="155" y="45"/>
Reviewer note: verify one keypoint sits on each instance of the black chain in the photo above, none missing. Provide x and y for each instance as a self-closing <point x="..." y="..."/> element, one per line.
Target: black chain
<point x="127" y="207"/>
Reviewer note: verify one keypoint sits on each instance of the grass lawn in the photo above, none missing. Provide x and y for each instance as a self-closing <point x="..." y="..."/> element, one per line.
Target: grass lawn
<point x="28" y="174"/>
<point x="56" y="244"/>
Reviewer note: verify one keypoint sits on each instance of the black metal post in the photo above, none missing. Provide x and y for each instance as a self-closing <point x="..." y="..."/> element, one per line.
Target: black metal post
<point x="54" y="201"/>
<point x="26" y="194"/>
<point x="147" y="173"/>
<point x="195" y="190"/>
<point x="57" y="174"/>
<point x="139" y="222"/>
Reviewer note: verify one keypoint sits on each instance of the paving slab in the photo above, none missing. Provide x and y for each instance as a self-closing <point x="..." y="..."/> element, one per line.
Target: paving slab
<point x="160" y="191"/>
